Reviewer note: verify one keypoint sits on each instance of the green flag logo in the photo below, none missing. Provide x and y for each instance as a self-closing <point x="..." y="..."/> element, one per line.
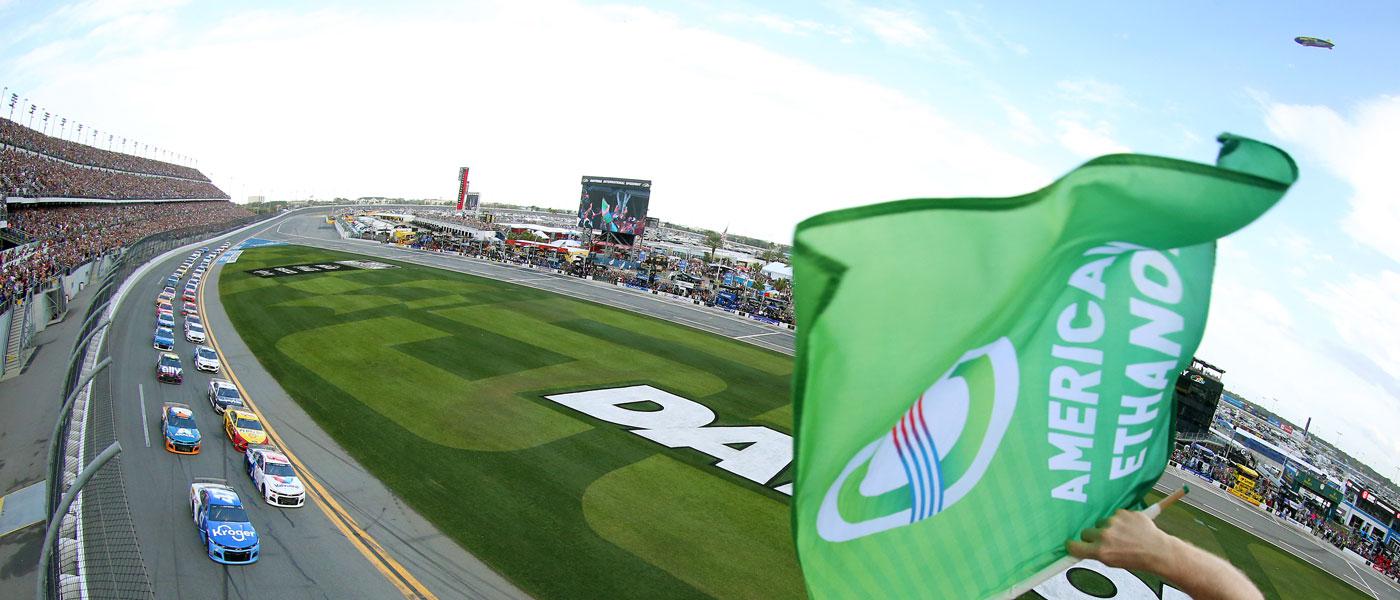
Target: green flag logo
<point x="929" y="460"/>
<point x="1003" y="364"/>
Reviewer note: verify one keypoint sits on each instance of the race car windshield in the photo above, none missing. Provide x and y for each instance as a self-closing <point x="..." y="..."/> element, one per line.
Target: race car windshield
<point x="228" y="514"/>
<point x="166" y="361"/>
<point x="280" y="470"/>
<point x="229" y="395"/>
<point x="249" y="424"/>
<point x="207" y="353"/>
<point x="178" y="421"/>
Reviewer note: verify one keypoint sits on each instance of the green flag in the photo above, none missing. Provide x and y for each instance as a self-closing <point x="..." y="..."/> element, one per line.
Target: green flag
<point x="979" y="379"/>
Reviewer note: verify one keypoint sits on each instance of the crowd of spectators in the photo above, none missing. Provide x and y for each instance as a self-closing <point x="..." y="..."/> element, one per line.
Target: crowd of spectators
<point x="26" y="174"/>
<point x="14" y="134"/>
<point x="68" y="236"/>
<point x="731" y="287"/>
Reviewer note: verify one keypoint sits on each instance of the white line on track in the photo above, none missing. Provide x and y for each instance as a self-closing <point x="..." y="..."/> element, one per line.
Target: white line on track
<point x="145" y="426"/>
<point x="1363" y="580"/>
<point x="530" y="279"/>
<point x="754" y="335"/>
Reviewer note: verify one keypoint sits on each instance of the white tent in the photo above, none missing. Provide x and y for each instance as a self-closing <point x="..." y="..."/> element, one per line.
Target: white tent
<point x="777" y="270"/>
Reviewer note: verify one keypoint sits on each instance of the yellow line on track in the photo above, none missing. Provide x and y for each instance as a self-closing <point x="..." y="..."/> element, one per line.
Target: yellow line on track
<point x="392" y="570"/>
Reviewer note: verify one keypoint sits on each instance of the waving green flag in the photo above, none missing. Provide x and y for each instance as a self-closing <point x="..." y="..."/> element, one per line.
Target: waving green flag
<point x="979" y="379"/>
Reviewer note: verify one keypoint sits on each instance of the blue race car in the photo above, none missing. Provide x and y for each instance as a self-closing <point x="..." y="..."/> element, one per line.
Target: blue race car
<point x="165" y="319"/>
<point x="172" y="281"/>
<point x="222" y="522"/>
<point x="178" y="428"/>
<point x="164" y="339"/>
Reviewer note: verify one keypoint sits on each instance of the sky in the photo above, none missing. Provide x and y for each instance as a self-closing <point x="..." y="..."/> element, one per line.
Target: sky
<point x="753" y="116"/>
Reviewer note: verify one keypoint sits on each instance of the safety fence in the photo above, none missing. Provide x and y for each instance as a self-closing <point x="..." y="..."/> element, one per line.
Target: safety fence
<point x="91" y="550"/>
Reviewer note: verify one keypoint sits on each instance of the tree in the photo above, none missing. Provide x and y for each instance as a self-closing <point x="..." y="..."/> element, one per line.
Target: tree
<point x="771" y="255"/>
<point x="713" y="240"/>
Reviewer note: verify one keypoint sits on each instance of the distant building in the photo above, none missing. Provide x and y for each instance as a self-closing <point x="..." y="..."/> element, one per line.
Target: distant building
<point x="1198" y="392"/>
<point x="256" y="199"/>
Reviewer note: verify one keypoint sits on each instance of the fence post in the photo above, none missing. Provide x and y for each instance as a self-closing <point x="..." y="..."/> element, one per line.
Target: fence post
<point x="83" y="344"/>
<point x="93" y="312"/>
<point x="46" y="553"/>
<point x="63" y="416"/>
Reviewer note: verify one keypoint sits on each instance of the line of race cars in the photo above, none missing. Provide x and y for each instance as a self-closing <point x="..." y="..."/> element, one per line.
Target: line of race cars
<point x="219" y="515"/>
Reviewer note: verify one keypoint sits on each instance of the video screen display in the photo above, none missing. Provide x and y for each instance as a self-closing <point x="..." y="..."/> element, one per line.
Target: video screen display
<point x="615" y="206"/>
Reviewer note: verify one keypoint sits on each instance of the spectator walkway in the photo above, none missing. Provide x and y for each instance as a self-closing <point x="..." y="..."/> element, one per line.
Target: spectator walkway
<point x="29" y="406"/>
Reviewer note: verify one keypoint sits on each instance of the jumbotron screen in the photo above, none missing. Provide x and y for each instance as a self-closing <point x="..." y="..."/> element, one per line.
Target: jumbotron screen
<point x="615" y="206"/>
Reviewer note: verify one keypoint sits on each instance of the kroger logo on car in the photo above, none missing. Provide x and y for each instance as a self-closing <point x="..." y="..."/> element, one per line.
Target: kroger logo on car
<point x="237" y="534"/>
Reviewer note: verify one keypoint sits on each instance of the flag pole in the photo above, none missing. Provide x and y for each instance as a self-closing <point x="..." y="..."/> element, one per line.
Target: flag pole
<point x="1056" y="567"/>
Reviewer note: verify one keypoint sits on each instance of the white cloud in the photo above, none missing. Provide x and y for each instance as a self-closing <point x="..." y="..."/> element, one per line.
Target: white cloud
<point x="788" y="25"/>
<point x="1087" y="140"/>
<point x="1365" y="311"/>
<point x="1093" y="91"/>
<point x="981" y="34"/>
<point x="1267" y="354"/>
<point x="896" y="27"/>
<point x="1022" y="127"/>
<point x="342" y="103"/>
<point x="1361" y="151"/>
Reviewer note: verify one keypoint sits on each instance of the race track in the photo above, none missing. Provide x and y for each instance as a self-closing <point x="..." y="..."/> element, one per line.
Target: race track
<point x="358" y="541"/>
<point x="352" y="540"/>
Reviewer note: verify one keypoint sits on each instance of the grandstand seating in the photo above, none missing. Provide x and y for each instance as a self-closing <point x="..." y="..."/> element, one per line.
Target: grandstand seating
<point x="55" y="237"/>
<point x="14" y="134"/>
<point x="68" y="236"/>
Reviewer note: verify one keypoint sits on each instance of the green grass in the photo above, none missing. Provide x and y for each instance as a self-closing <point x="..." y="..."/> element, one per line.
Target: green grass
<point x="434" y="381"/>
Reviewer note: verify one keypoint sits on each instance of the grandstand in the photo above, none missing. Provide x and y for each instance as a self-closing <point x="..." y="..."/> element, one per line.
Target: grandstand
<point x="64" y="204"/>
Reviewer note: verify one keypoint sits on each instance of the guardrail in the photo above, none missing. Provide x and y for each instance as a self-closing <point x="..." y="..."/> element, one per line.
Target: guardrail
<point x="91" y="549"/>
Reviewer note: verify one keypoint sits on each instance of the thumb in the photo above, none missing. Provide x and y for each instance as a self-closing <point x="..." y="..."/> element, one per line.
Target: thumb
<point x="1079" y="549"/>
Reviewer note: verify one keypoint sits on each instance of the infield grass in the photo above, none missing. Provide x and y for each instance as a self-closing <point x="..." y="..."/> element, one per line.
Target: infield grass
<point x="434" y="381"/>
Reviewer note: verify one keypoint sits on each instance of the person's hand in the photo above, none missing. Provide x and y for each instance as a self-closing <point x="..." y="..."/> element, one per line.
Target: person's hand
<point x="1130" y="540"/>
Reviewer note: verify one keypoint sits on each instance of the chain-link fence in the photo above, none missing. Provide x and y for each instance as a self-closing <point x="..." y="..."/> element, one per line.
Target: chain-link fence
<point x="96" y="553"/>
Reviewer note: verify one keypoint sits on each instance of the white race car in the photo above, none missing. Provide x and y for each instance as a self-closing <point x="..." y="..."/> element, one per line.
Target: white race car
<point x="194" y="332"/>
<point x="224" y="395"/>
<point x="274" y="476"/>
<point x="206" y="359"/>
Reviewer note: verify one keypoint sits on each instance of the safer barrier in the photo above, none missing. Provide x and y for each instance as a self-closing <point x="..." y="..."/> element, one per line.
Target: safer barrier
<point x="95" y="552"/>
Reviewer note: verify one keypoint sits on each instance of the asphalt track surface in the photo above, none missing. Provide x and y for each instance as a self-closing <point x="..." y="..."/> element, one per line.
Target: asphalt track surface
<point x="353" y="538"/>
